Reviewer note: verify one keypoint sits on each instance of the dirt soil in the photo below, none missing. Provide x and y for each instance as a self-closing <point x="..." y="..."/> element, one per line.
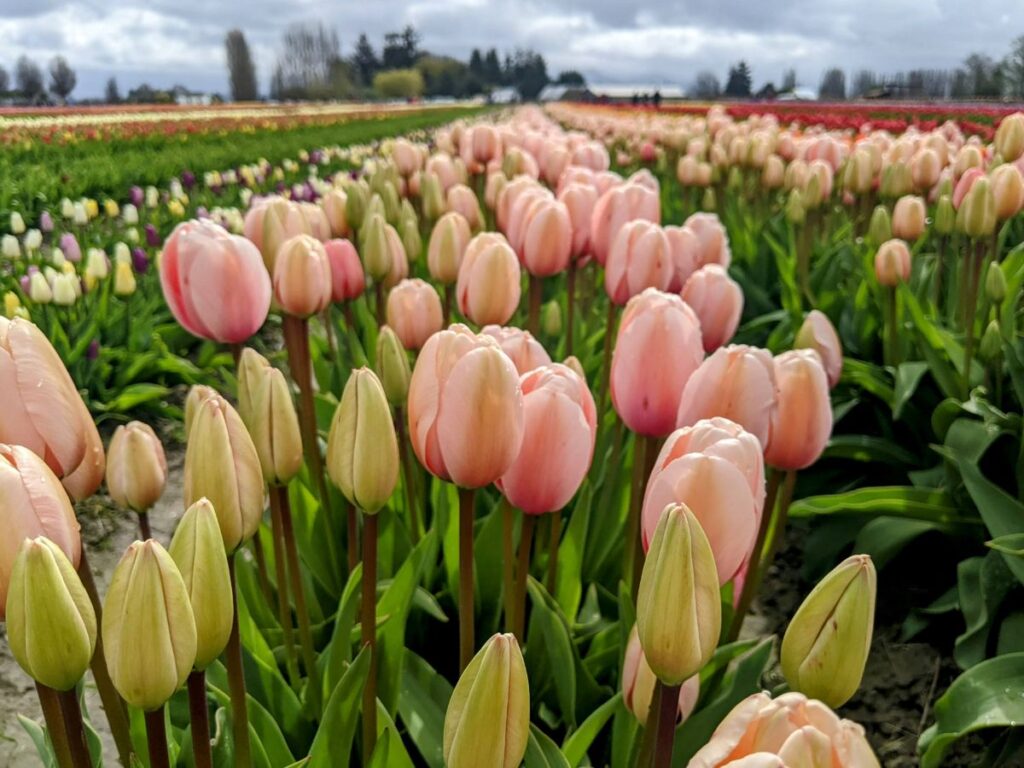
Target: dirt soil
<point x="106" y="532"/>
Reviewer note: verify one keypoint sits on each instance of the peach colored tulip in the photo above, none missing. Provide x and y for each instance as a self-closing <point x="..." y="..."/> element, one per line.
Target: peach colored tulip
<point x="640" y="258"/>
<point x="406" y="157"/>
<point x="488" y="288"/>
<point x="685" y="255"/>
<point x="802" y="422"/>
<point x="964" y="184"/>
<point x="302" y="277"/>
<point x="638" y="684"/>
<point x="519" y="213"/>
<point x="546" y="238"/>
<point x="657" y="349"/>
<point x="736" y="382"/>
<point x="712" y="238"/>
<point x="507" y="200"/>
<point x="790" y="730"/>
<point x="335" y="205"/>
<point x="316" y="220"/>
<point x="525" y="351"/>
<point x="925" y="168"/>
<point x="269" y="223"/>
<point x="443" y="168"/>
<point x="558" y="441"/>
<point x="32" y="503"/>
<point x="347" y="279"/>
<point x="448" y="242"/>
<point x="819" y="334"/>
<point x="397" y="258"/>
<point x="555" y="160"/>
<point x="136" y="466"/>
<point x="718" y="301"/>
<point x="1008" y="190"/>
<point x="215" y="283"/>
<point x="576" y="174"/>
<point x="462" y="199"/>
<point x="579" y="199"/>
<point x="593" y="155"/>
<point x="466" y="415"/>
<point x="483" y="142"/>
<point x="908" y="217"/>
<point x="414" y="312"/>
<point x="892" y="263"/>
<point x="614" y="208"/>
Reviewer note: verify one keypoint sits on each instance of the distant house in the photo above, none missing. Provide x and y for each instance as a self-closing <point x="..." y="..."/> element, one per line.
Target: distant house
<point x="565" y="93"/>
<point x="798" y="94"/>
<point x="183" y="96"/>
<point x="636" y="92"/>
<point x="503" y="96"/>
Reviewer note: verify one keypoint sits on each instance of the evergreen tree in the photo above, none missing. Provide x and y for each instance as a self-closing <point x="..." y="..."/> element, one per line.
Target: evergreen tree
<point x="241" y="70"/>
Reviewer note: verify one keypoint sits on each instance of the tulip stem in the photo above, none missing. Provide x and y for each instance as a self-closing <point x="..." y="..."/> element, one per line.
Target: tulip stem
<point x="295" y="577"/>
<point x="940" y="259"/>
<point x="751" y="582"/>
<point x="378" y="292"/>
<point x="466" y="515"/>
<point x="536" y="295"/>
<point x="261" y="565"/>
<point x="449" y="300"/>
<point x="369" y="633"/>
<point x="556" y="537"/>
<point x="522" y="572"/>
<point x="199" y="718"/>
<point x="144" y="529"/>
<point x="113" y="705"/>
<point x="408" y="476"/>
<point x="644" y="455"/>
<point x="352" y="537"/>
<point x="236" y="684"/>
<point x="668" y="705"/>
<point x="570" y="306"/>
<point x="508" y="581"/>
<point x="284" y="609"/>
<point x="606" y="360"/>
<point x="892" y="356"/>
<point x="778" y="525"/>
<point x="972" y="285"/>
<point x="49" y="700"/>
<point x="156" y="737"/>
<point x="72" y="712"/>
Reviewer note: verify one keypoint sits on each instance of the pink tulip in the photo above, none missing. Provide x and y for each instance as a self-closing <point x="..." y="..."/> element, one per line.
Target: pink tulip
<point x="718" y="301"/>
<point x="638" y="683"/>
<point x="547" y="238"/>
<point x="579" y="200"/>
<point x="316" y="220"/>
<point x="802" y="422"/>
<point x="32" y="503"/>
<point x="640" y="258"/>
<point x="462" y="199"/>
<point x="819" y="334"/>
<point x="657" y="350"/>
<point x="347" y="279"/>
<point x="558" y="441"/>
<point x="591" y="155"/>
<point x="790" y="730"/>
<point x="519" y="208"/>
<point x="963" y="186"/>
<point x="736" y="382"/>
<point x="442" y="166"/>
<point x="614" y="208"/>
<point x="712" y="238"/>
<point x="406" y="157"/>
<point x="466" y="415"/>
<point x="488" y="288"/>
<point x="302" y="277"/>
<point x="892" y="263"/>
<point x="215" y="283"/>
<point x="269" y="223"/>
<point x="414" y="312"/>
<point x="576" y="174"/>
<point x="685" y="249"/>
<point x="448" y="242"/>
<point x="525" y="351"/>
<point x="483" y="142"/>
<point x="554" y="161"/>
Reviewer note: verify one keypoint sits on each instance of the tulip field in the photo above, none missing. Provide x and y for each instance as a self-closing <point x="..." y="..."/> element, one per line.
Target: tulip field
<point x="562" y="436"/>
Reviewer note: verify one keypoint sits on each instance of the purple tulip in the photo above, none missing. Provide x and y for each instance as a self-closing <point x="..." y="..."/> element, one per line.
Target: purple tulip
<point x="93" y="350"/>
<point x="136" y="195"/>
<point x="46" y="221"/>
<point x="24" y="283"/>
<point x="69" y="245"/>
<point x="281" y="187"/>
<point x="188" y="179"/>
<point x="202" y="213"/>
<point x="152" y="236"/>
<point x="140" y="261"/>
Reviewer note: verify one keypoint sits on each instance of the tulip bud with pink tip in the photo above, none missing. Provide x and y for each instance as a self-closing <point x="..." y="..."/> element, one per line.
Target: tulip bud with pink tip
<point x="892" y="263"/>
<point x="269" y="223"/>
<point x="640" y="258"/>
<point x="657" y="350"/>
<point x="462" y="199"/>
<point x="335" y="205"/>
<point x="579" y="200"/>
<point x="546" y="238"/>
<point x="488" y="287"/>
<point x="718" y="301"/>
<point x="964" y="184"/>
<point x="406" y="157"/>
<point x="465" y="408"/>
<point x="448" y="242"/>
<point x="614" y="208"/>
<point x="414" y="312"/>
<point x="302" y="277"/>
<point x="1008" y="191"/>
<point x="818" y="333"/>
<point x="347" y="279"/>
<point x="711" y="237"/>
<point x="525" y="351"/>
<point x="685" y="250"/>
<point x="638" y="683"/>
<point x="908" y="218"/>
<point x="802" y="422"/>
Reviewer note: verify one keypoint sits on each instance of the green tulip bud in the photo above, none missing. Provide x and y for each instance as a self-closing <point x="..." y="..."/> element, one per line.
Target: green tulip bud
<point x="149" y="632"/>
<point x="411" y="240"/>
<point x="977" y="215"/>
<point x="376" y="207"/>
<point x="408" y="213"/>
<point x="274" y="428"/>
<point x="355" y="204"/>
<point x="813" y="195"/>
<point x="196" y="395"/>
<point x="880" y="226"/>
<point x="734" y="180"/>
<point x="393" y="367"/>
<point x="551" y="318"/>
<point x="392" y="203"/>
<point x="198" y="550"/>
<point x="434" y="205"/>
<point x="995" y="283"/>
<point x="991" y="346"/>
<point x="826" y="644"/>
<point x="362" y="450"/>
<point x="251" y="365"/>
<point x="709" y="201"/>
<point x="375" y="250"/>
<point x="897" y="181"/>
<point x="795" y="211"/>
<point x="51" y="625"/>
<point x="945" y="216"/>
<point x="679" y="608"/>
<point x="488" y="717"/>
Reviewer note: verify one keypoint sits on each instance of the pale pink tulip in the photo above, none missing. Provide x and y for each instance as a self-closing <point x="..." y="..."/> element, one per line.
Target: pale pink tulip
<point x="269" y="223"/>
<point x="488" y="287"/>
<point x="802" y="422"/>
<point x="302" y="277"/>
<point x="718" y="301"/>
<point x="892" y="263"/>
<point x="614" y="208"/>
<point x="414" y="312"/>
<point x="347" y="279"/>
<point x="525" y="351"/>
<point x="712" y="238"/>
<point x="448" y="242"/>
<point x="547" y="238"/>
<point x="462" y="199"/>
<point x="685" y="249"/>
<point x="819" y="334"/>
<point x="640" y="258"/>
<point x="638" y="683"/>
<point x="579" y="199"/>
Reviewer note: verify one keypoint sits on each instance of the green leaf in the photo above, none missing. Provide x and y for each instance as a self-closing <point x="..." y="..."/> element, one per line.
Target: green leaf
<point x="982" y="585"/>
<point x="884" y="537"/>
<point x="557" y="650"/>
<point x="576" y="745"/>
<point x="133" y="396"/>
<point x="908" y="376"/>
<point x="40" y="739"/>
<point x="339" y="651"/>
<point x="943" y="355"/>
<point x="1011" y="544"/>
<point x="422" y="707"/>
<point x="989" y="695"/>
<point x="929" y="504"/>
<point x="333" y="743"/>
<point x="542" y="752"/>
<point x="569" y="579"/>
<point x="866" y="448"/>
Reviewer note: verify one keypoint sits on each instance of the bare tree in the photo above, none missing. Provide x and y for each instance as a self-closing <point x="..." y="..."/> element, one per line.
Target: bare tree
<point x="707" y="86"/>
<point x="5" y="80"/>
<point x="833" y="84"/>
<point x="1013" y="69"/>
<point x="241" y="70"/>
<point x="112" y="95"/>
<point x="306" y="62"/>
<point x="863" y="82"/>
<point x="789" y="81"/>
<point x="62" y="77"/>
<point x="29" y="78"/>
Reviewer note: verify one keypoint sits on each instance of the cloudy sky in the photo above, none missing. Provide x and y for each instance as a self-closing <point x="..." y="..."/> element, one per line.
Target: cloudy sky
<point x="644" y="41"/>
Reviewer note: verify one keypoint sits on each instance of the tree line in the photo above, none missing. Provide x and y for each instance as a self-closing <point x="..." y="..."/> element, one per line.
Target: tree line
<point x="29" y="85"/>
<point x="980" y="76"/>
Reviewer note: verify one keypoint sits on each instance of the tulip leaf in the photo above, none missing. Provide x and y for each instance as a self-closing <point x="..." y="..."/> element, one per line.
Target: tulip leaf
<point x="1011" y="544"/>
<point x="41" y="740"/>
<point x="542" y="752"/>
<point x="422" y="706"/>
<point x="625" y="737"/>
<point x="133" y="396"/>
<point x="944" y="355"/>
<point x="988" y="695"/>
<point x="333" y="743"/>
<point x="982" y="584"/>
<point x="866" y="448"/>
<point x="929" y="504"/>
<point x="908" y="377"/>
<point x="569" y="578"/>
<point x="488" y="568"/>
<point x="262" y="723"/>
<point x="885" y="537"/>
<point x="338" y="652"/>
<point x="390" y="752"/>
<point x="870" y="378"/>
<point x="555" y="645"/>
<point x="576" y="745"/>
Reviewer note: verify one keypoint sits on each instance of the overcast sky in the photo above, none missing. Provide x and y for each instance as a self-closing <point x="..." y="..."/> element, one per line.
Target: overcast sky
<point x="645" y="41"/>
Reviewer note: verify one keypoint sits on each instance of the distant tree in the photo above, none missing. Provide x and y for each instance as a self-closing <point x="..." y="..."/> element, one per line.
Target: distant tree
<point x="342" y="80"/>
<point x="445" y="76"/>
<point x="401" y="49"/>
<point x="492" y="68"/>
<point x="476" y="64"/>
<point x="984" y="78"/>
<point x="863" y="82"/>
<point x="29" y="78"/>
<point x="789" y="81"/>
<point x="833" y="85"/>
<point x="767" y="91"/>
<point x="112" y="95"/>
<point x="241" y="70"/>
<point x="527" y="71"/>
<point x="571" y="77"/>
<point x="1013" y="69"/>
<point x="5" y="80"/>
<point x="398" y="84"/>
<point x="62" y="78"/>
<point x="309" y="54"/>
<point x="739" y="83"/>
<point x="707" y="86"/>
<point x="365" y="61"/>
<point x="959" y="84"/>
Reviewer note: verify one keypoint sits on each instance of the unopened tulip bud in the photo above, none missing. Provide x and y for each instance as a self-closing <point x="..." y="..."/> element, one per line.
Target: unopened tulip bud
<point x="392" y="367"/>
<point x="551" y="318"/>
<point x="432" y="195"/>
<point x="274" y="427"/>
<point x="411" y="240"/>
<point x="880" y="227"/>
<point x="376" y="252"/>
<point x="11" y="304"/>
<point x="574" y="363"/>
<point x="710" y="201"/>
<point x="448" y="242"/>
<point x="908" y="218"/>
<point x="1007" y="190"/>
<point x="826" y="644"/>
<point x="488" y="717"/>
<point x="991" y="346"/>
<point x="221" y="464"/>
<point x="638" y="682"/>
<point x="250" y="369"/>
<point x="302" y="276"/>
<point x="39" y="290"/>
<point x="64" y="293"/>
<point x="795" y="211"/>
<point x="51" y="625"/>
<point x="773" y="172"/>
<point x="818" y="333"/>
<point x="945" y="215"/>
<point x="679" y="608"/>
<point x="892" y="263"/>
<point x="977" y="215"/>
<point x="1009" y="139"/>
<point x="355" y="205"/>
<point x="198" y="550"/>
<point x="149" y="632"/>
<point x="362" y="450"/>
<point x="995" y="284"/>
<point x="196" y="395"/>
<point x="136" y="467"/>
<point x="124" y="279"/>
